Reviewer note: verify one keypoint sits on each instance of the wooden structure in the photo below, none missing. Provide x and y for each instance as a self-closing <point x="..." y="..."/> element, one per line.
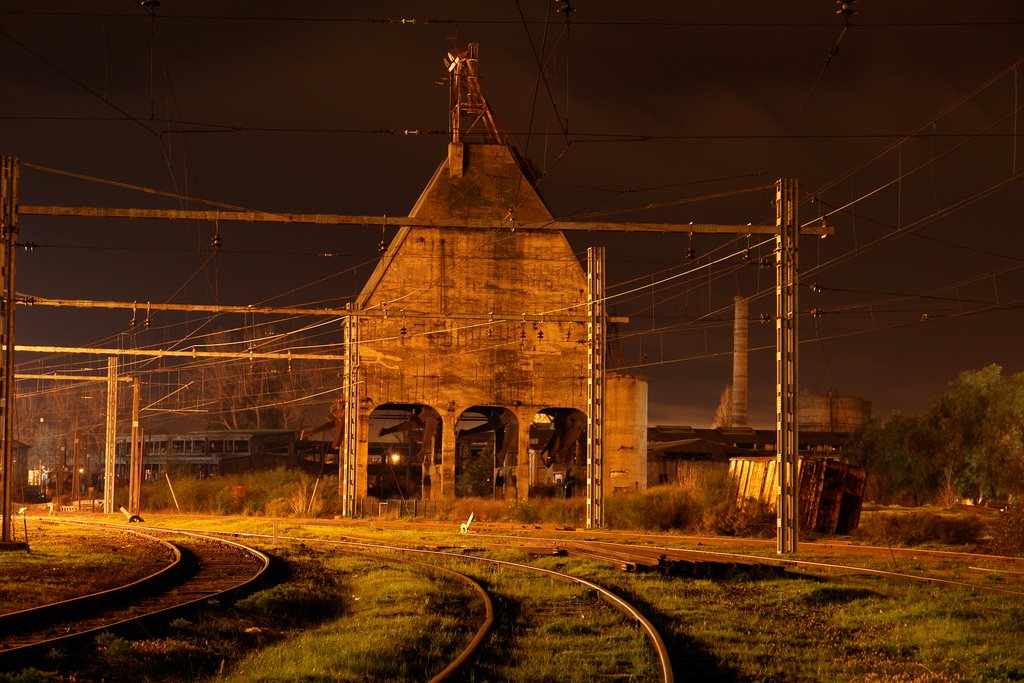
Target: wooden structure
<point x="831" y="492"/>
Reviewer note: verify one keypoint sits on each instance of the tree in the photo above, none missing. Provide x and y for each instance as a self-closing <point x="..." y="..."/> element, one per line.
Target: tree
<point x="266" y="394"/>
<point x="723" y="414"/>
<point x="972" y="438"/>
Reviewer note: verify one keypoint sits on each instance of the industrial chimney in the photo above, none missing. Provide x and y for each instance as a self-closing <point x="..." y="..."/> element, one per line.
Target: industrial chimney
<point x="740" y="376"/>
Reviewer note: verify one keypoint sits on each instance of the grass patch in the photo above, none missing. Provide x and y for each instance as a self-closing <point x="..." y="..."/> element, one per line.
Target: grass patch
<point x="63" y="561"/>
<point x="394" y="625"/>
<point x="280" y="493"/>
<point x="347" y="618"/>
<point x="919" y="528"/>
<point x="551" y="630"/>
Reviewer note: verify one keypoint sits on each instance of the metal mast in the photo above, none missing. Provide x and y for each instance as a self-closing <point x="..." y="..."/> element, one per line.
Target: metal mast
<point x="786" y="388"/>
<point x="109" y="474"/>
<point x="8" y="237"/>
<point x="596" y="328"/>
<point x="347" y="478"/>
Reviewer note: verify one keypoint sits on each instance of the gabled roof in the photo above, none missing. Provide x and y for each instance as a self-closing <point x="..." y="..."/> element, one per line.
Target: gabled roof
<point x="490" y="183"/>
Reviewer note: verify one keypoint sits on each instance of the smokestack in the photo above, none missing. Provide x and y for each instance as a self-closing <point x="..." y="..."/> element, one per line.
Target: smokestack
<point x="740" y="377"/>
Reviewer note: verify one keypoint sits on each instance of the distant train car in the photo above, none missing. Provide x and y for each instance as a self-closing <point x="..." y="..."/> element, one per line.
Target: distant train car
<point x="211" y="453"/>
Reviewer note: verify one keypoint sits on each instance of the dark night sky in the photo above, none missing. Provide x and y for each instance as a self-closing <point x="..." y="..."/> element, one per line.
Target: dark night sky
<point x="273" y="106"/>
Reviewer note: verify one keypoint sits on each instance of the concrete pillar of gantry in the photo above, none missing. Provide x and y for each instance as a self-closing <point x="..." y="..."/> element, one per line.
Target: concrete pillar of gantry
<point x="362" y="488"/>
<point x="523" y="461"/>
<point x="740" y="373"/>
<point x="443" y="475"/>
<point x="510" y="470"/>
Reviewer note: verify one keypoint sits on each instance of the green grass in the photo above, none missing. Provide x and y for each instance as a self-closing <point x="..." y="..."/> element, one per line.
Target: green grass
<point x="550" y="630"/>
<point x="63" y="562"/>
<point x="860" y="629"/>
<point x="395" y="625"/>
<point x="349" y="618"/>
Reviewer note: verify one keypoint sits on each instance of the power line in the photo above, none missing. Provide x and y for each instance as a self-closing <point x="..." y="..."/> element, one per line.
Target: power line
<point x="576" y="137"/>
<point x="424" y="21"/>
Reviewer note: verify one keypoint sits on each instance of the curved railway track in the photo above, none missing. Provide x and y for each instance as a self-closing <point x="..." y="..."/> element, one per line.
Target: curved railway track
<point x="203" y="568"/>
<point x="632" y="613"/>
<point x="665" y="558"/>
<point x="481" y="632"/>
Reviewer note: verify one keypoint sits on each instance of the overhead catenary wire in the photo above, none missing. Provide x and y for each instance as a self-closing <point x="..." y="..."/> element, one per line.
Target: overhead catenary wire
<point x="405" y="21"/>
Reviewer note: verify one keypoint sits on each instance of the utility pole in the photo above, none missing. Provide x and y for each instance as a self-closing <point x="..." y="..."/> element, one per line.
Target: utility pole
<point x="787" y="384"/>
<point x="350" y="445"/>
<point x="135" y="468"/>
<point x="596" y="353"/>
<point x="76" y="481"/>
<point x="8" y="239"/>
<point x="108" y="470"/>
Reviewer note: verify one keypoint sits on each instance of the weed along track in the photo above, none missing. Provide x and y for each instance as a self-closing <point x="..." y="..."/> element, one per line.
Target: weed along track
<point x="201" y="569"/>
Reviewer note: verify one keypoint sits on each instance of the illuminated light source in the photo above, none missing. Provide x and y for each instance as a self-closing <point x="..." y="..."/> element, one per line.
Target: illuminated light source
<point x="395" y="458"/>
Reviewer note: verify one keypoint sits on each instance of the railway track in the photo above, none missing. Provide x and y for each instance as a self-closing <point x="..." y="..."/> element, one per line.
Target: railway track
<point x="483" y="629"/>
<point x="629" y="611"/>
<point x="203" y="568"/>
<point x="706" y="563"/>
<point x="499" y="619"/>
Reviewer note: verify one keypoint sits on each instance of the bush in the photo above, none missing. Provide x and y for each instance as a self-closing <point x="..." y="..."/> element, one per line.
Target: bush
<point x="918" y="528"/>
<point x="288" y="602"/>
<point x="755" y="519"/>
<point x="278" y="492"/>
<point x="661" y="508"/>
<point x="1008" y="534"/>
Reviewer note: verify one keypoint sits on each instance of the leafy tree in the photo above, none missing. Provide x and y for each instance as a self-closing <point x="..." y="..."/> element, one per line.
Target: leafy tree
<point x="972" y="437"/>
<point x="979" y="422"/>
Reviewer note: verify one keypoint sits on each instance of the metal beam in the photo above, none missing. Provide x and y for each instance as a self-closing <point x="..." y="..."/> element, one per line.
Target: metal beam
<point x="554" y="224"/>
<point x="65" y="378"/>
<point x="191" y="353"/>
<point x="27" y="300"/>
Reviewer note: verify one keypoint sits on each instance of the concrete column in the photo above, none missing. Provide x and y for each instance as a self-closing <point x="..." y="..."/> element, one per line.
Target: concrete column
<point x="523" y="456"/>
<point x="443" y="477"/>
<point x="510" y="468"/>
<point x="740" y="374"/>
<point x="363" y="457"/>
